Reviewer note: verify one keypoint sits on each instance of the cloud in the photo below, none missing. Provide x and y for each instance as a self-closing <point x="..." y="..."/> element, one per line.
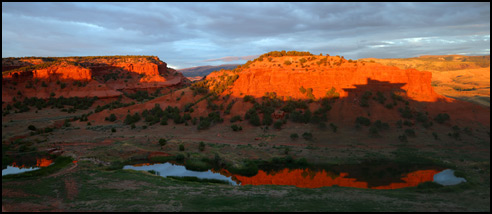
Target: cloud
<point x="233" y="58"/>
<point x="190" y="34"/>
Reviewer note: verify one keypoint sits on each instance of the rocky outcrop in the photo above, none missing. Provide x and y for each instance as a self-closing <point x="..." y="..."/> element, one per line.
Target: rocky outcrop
<point x="102" y="76"/>
<point x="63" y="71"/>
<point x="347" y="79"/>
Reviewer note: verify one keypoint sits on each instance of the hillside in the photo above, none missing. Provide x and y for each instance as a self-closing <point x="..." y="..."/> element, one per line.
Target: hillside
<point x="465" y="78"/>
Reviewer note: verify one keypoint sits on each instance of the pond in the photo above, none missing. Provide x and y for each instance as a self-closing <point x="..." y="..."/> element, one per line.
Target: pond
<point x="311" y="178"/>
<point x="169" y="169"/>
<point x="26" y="165"/>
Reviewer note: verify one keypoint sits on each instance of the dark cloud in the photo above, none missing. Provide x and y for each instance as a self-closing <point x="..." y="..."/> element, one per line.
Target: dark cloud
<point x="192" y="33"/>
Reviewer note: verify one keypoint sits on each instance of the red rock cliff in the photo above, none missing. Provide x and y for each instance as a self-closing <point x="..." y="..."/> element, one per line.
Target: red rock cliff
<point x="286" y="80"/>
<point x="63" y="71"/>
<point x="104" y="76"/>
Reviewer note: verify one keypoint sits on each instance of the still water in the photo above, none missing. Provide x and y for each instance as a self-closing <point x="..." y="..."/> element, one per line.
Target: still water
<point x="306" y="178"/>
<point x="169" y="169"/>
<point x="25" y="166"/>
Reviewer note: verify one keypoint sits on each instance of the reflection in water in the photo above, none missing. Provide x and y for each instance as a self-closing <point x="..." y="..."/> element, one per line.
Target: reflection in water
<point x="16" y="168"/>
<point x="447" y="178"/>
<point x="307" y="178"/>
<point x="168" y="169"/>
<point x="41" y="162"/>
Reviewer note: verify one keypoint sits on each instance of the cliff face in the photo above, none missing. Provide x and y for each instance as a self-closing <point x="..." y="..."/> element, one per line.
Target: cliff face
<point x="313" y="77"/>
<point x="348" y="79"/>
<point x="102" y="76"/>
<point x="63" y="71"/>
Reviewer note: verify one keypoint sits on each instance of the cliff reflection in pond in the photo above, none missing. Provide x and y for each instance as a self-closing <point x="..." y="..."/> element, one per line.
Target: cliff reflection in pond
<point x="25" y="165"/>
<point x="305" y="178"/>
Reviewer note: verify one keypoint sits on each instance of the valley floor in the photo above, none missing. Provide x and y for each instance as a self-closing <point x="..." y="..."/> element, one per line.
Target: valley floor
<point x="90" y="184"/>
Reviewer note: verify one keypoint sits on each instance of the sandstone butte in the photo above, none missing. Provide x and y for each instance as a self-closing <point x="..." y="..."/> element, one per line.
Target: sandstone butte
<point x="140" y="73"/>
<point x="307" y="178"/>
<point x="351" y="79"/>
<point x="275" y="76"/>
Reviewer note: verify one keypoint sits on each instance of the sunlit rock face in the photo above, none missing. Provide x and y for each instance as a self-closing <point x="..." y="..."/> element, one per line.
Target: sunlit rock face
<point x="101" y="76"/>
<point x="307" y="178"/>
<point x="285" y="79"/>
<point x="63" y="71"/>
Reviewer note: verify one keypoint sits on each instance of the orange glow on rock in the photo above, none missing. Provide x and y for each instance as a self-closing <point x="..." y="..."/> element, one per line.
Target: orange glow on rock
<point x="306" y="178"/>
<point x="43" y="162"/>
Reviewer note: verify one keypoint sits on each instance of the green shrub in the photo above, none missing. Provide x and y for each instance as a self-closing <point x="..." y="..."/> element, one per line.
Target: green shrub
<point x="201" y="146"/>
<point x="435" y="135"/>
<point x="196" y="165"/>
<point x="363" y="121"/>
<point x="254" y="119"/>
<point x="403" y="138"/>
<point x="294" y="136"/>
<point x="180" y="157"/>
<point x="162" y="142"/>
<point x="389" y="105"/>
<point x="333" y="127"/>
<point x="67" y="123"/>
<point x="31" y="127"/>
<point x="302" y="89"/>
<point x="410" y="132"/>
<point x="373" y="131"/>
<point x="111" y="118"/>
<point x="286" y="150"/>
<point x="307" y="136"/>
<point x="236" y="118"/>
<point x="249" y="98"/>
<point x="332" y="94"/>
<point x="113" y="130"/>
<point x="380" y="97"/>
<point x="267" y="119"/>
<point x="203" y="124"/>
<point x="248" y="169"/>
<point x="278" y="124"/>
<point x="236" y="128"/>
<point x="181" y="147"/>
<point x="441" y="118"/>
<point x="406" y="112"/>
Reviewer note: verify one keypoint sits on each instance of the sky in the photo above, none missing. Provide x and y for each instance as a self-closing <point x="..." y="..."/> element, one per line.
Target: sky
<point x="185" y="34"/>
